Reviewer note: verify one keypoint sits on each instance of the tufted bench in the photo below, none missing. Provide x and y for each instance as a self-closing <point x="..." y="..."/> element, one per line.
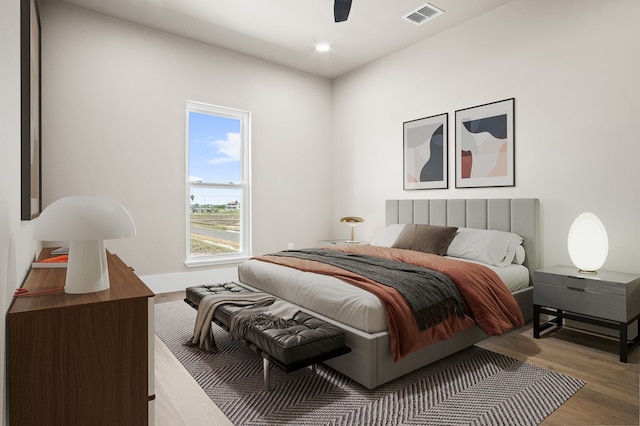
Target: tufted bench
<point x="309" y="341"/>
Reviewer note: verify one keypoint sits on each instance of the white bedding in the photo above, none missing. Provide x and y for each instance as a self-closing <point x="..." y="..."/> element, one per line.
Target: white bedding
<point x="336" y="299"/>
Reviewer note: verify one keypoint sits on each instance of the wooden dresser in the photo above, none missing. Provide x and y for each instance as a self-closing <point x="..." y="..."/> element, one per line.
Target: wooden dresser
<point x="81" y="359"/>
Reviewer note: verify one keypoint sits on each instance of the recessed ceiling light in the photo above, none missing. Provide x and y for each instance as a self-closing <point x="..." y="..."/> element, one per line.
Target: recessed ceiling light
<point x="323" y="47"/>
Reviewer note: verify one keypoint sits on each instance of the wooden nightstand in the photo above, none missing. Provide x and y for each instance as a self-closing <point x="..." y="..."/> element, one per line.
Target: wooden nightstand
<point x="608" y="299"/>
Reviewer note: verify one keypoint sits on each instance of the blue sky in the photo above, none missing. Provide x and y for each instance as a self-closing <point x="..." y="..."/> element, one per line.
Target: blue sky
<point x="214" y="148"/>
<point x="214" y="156"/>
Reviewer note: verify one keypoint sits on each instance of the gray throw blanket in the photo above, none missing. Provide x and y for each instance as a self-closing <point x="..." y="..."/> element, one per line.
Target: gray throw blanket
<point x="431" y="295"/>
<point x="265" y="303"/>
<point x="279" y="315"/>
<point x="202" y="336"/>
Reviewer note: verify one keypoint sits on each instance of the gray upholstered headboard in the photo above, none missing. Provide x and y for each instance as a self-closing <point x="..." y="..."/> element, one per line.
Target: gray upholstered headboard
<point x="518" y="215"/>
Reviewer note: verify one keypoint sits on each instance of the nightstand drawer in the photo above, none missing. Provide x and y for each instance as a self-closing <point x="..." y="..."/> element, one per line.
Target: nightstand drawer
<point x="591" y="283"/>
<point x="581" y="301"/>
<point x="608" y="295"/>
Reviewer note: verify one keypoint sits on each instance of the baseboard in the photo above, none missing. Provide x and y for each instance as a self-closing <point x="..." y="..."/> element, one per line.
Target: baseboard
<point x="167" y="283"/>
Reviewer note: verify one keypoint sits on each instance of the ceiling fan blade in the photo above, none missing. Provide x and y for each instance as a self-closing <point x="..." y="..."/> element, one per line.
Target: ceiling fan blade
<point x="341" y="9"/>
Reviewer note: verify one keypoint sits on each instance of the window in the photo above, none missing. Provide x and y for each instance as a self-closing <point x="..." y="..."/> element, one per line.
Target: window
<point x="218" y="197"/>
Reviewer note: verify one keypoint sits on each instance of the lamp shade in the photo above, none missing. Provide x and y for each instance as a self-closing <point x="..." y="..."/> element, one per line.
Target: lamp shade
<point x="352" y="221"/>
<point x="588" y="243"/>
<point x="85" y="222"/>
<point x="82" y="218"/>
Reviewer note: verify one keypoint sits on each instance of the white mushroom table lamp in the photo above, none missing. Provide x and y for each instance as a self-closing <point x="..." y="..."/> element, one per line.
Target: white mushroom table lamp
<point x="85" y="221"/>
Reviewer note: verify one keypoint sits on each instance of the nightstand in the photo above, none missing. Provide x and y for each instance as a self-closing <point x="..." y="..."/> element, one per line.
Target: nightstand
<point x="607" y="299"/>
<point x="332" y="242"/>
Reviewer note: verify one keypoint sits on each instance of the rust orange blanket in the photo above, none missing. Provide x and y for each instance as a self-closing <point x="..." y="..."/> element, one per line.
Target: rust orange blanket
<point x="488" y="302"/>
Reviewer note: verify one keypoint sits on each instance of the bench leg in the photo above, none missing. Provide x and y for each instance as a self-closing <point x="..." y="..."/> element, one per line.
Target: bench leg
<point x="266" y="367"/>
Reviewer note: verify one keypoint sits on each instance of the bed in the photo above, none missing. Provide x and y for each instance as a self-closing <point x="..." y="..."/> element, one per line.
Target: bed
<point x="371" y="362"/>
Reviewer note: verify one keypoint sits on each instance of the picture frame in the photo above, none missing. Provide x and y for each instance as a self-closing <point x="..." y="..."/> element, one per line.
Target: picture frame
<point x="30" y="92"/>
<point x="485" y="145"/>
<point x="425" y="152"/>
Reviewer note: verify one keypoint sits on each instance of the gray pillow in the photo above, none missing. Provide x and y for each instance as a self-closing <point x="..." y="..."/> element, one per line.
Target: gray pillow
<point x="426" y="238"/>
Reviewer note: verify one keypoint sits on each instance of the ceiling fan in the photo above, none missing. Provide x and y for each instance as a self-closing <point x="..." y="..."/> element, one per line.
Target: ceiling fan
<point x="341" y="10"/>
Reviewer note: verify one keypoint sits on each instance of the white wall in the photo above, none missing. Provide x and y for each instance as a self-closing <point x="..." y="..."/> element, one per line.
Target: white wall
<point x="572" y="67"/>
<point x="114" y="101"/>
<point x="17" y="248"/>
<point x="114" y="125"/>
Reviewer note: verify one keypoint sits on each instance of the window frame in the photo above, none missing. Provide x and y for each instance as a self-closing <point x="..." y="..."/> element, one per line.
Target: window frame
<point x="244" y="185"/>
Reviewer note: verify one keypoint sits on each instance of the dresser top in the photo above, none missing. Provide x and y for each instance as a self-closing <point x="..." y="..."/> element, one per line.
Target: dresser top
<point x="124" y="284"/>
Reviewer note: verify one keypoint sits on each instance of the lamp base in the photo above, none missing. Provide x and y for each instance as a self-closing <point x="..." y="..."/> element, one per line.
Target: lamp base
<point x="87" y="270"/>
<point x="585" y="272"/>
<point x="352" y="242"/>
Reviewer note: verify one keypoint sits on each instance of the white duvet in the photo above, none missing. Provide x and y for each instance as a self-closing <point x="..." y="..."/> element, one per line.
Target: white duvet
<point x="337" y="299"/>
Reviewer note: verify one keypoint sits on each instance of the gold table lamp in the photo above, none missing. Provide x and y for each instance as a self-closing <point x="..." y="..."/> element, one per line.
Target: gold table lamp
<point x="352" y="221"/>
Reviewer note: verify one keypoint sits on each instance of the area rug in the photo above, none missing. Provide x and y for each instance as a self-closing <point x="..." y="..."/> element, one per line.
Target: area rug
<point x="473" y="387"/>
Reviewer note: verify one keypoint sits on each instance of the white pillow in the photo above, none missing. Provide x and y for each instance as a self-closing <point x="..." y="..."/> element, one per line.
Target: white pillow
<point x="518" y="259"/>
<point x="388" y="236"/>
<point x="493" y="247"/>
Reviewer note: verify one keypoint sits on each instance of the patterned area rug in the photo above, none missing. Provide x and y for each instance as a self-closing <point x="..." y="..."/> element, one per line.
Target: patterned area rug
<point x="473" y="387"/>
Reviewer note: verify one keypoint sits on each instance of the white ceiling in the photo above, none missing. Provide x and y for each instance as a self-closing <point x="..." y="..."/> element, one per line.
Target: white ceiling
<point x="285" y="31"/>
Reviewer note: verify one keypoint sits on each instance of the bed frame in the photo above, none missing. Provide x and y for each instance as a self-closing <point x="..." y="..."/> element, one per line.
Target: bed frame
<point x="370" y="362"/>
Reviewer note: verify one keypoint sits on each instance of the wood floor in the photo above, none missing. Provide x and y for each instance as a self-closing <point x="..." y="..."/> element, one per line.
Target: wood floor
<point x="610" y="397"/>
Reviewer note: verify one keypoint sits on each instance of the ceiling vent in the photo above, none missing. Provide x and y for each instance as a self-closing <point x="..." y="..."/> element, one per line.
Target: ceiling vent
<point x="423" y="14"/>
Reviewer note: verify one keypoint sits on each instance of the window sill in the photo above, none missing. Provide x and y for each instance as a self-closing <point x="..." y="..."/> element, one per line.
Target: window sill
<point x="195" y="263"/>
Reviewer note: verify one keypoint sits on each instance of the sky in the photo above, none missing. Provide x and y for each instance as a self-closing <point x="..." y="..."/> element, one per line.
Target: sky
<point x="214" y="156"/>
<point x="214" y="148"/>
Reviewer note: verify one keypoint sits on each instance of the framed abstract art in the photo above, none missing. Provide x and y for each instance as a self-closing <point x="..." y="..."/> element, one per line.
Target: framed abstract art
<point x="425" y="146"/>
<point x="485" y="142"/>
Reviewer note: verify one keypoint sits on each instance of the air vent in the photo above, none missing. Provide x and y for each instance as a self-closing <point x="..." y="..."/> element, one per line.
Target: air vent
<point x="423" y="14"/>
